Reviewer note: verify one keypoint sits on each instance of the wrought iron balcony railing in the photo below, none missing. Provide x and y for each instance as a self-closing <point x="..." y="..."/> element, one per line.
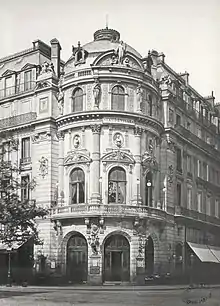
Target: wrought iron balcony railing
<point x="188" y="213"/>
<point x="17" y="89"/>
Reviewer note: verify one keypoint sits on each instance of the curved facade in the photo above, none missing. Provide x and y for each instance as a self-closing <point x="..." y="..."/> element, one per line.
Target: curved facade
<point x="109" y="154"/>
<point x="115" y="151"/>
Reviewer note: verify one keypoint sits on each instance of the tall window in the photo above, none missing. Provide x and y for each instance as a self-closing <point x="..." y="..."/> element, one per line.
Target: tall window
<point x="25" y="149"/>
<point x="189" y="198"/>
<point x="25" y="180"/>
<point x="149" y="189"/>
<point x="27" y="80"/>
<point x="178" y="194"/>
<point x="77" y="105"/>
<point x="150" y="102"/>
<point x="77" y="186"/>
<point x="118" y="98"/>
<point x="199" y="168"/>
<point x="199" y="201"/>
<point x="8" y="86"/>
<point x="178" y="159"/>
<point x="6" y="152"/>
<point x="117" y="185"/>
<point x="208" y="205"/>
<point x="189" y="164"/>
<point x="205" y="172"/>
<point x="178" y="120"/>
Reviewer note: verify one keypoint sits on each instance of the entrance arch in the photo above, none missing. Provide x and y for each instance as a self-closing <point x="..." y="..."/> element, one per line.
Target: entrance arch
<point x="77" y="258"/>
<point x="149" y="256"/>
<point x="116" y="259"/>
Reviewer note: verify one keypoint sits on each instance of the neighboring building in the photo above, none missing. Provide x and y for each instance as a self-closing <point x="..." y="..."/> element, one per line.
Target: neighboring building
<point x="124" y="152"/>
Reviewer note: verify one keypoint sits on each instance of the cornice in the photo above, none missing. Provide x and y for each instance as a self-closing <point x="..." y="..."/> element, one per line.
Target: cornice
<point x="129" y="119"/>
<point x="211" y="152"/>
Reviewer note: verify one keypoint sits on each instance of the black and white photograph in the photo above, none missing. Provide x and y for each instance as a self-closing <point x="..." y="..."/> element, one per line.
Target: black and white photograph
<point x="109" y="152"/>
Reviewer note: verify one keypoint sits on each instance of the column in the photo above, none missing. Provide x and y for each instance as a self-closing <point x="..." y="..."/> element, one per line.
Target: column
<point x="137" y="169"/>
<point x="157" y="180"/>
<point x="61" y="136"/>
<point x="95" y="165"/>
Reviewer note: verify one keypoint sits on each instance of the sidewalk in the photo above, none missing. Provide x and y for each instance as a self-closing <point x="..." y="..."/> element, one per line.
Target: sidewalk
<point x="101" y="288"/>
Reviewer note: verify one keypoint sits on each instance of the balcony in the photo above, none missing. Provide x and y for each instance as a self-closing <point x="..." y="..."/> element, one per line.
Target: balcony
<point x="107" y="210"/>
<point x="17" y="90"/>
<point x="193" y="138"/>
<point x="195" y="215"/>
<point x="18" y="120"/>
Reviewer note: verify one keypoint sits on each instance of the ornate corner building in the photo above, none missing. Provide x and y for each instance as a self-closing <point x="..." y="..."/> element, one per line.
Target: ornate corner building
<point x="124" y="152"/>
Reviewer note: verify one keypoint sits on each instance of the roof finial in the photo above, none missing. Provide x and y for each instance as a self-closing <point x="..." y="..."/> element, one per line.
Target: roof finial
<point x="106" y="21"/>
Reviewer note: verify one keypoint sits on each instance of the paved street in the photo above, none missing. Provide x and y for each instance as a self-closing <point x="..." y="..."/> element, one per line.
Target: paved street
<point x="128" y="296"/>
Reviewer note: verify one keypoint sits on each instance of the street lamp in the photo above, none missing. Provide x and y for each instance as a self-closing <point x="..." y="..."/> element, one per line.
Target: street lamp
<point x="9" y="249"/>
<point x="191" y="274"/>
<point x="149" y="184"/>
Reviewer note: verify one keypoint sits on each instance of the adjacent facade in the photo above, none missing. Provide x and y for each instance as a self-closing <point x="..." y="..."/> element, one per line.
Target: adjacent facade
<point x="124" y="153"/>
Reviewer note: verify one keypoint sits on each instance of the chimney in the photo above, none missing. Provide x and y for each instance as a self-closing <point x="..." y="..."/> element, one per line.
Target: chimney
<point x="210" y="99"/>
<point x="55" y="55"/>
<point x="185" y="77"/>
<point x="161" y="57"/>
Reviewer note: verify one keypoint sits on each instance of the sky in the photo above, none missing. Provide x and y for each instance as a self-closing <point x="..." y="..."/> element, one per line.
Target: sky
<point x="186" y="31"/>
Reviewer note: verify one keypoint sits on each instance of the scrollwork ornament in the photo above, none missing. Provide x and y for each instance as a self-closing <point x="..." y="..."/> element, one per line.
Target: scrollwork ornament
<point x="96" y="128"/>
<point x="43" y="166"/>
<point x="138" y="130"/>
<point x="170" y="174"/>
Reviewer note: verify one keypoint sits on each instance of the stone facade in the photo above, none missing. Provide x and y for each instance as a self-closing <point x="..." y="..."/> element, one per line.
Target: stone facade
<point x="115" y="146"/>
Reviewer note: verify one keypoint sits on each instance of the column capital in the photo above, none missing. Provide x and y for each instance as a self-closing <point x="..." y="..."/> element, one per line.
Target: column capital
<point x="138" y="131"/>
<point x="96" y="128"/>
<point x="61" y="135"/>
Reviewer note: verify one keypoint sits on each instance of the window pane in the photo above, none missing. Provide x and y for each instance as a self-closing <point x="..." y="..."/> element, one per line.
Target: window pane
<point x="27" y="80"/>
<point x="77" y="187"/>
<point x="25" y="147"/>
<point x="78" y="100"/>
<point x="77" y="175"/>
<point x="118" y="98"/>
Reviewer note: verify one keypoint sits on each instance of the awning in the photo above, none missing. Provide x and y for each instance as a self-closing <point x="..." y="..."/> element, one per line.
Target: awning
<point x="203" y="252"/>
<point x="215" y="251"/>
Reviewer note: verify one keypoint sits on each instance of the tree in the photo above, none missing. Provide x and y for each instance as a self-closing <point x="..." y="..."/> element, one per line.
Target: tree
<point x="17" y="212"/>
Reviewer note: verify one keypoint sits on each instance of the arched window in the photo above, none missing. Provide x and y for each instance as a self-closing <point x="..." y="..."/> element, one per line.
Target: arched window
<point x="150" y="102"/>
<point x="77" y="186"/>
<point x="149" y="189"/>
<point x="117" y="186"/>
<point x="118" y="98"/>
<point x="77" y="105"/>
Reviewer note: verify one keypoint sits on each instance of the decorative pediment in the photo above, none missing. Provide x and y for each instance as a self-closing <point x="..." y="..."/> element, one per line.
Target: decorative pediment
<point x="112" y="59"/>
<point x="118" y="156"/>
<point x="149" y="162"/>
<point x="8" y="72"/>
<point x="77" y="158"/>
<point x="28" y="66"/>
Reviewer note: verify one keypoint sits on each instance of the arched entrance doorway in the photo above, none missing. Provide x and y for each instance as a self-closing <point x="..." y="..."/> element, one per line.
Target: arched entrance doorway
<point x="117" y="259"/>
<point x="77" y="259"/>
<point x="149" y="256"/>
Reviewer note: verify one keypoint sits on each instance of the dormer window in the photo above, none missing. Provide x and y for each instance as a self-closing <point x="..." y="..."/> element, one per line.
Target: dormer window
<point x="27" y="80"/>
<point x="8" y="86"/>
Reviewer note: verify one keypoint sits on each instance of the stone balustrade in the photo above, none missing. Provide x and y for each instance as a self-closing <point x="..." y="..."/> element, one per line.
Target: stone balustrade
<point x="111" y="210"/>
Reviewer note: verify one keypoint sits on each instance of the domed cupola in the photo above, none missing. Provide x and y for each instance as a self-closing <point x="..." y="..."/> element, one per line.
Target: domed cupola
<point x="107" y="34"/>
